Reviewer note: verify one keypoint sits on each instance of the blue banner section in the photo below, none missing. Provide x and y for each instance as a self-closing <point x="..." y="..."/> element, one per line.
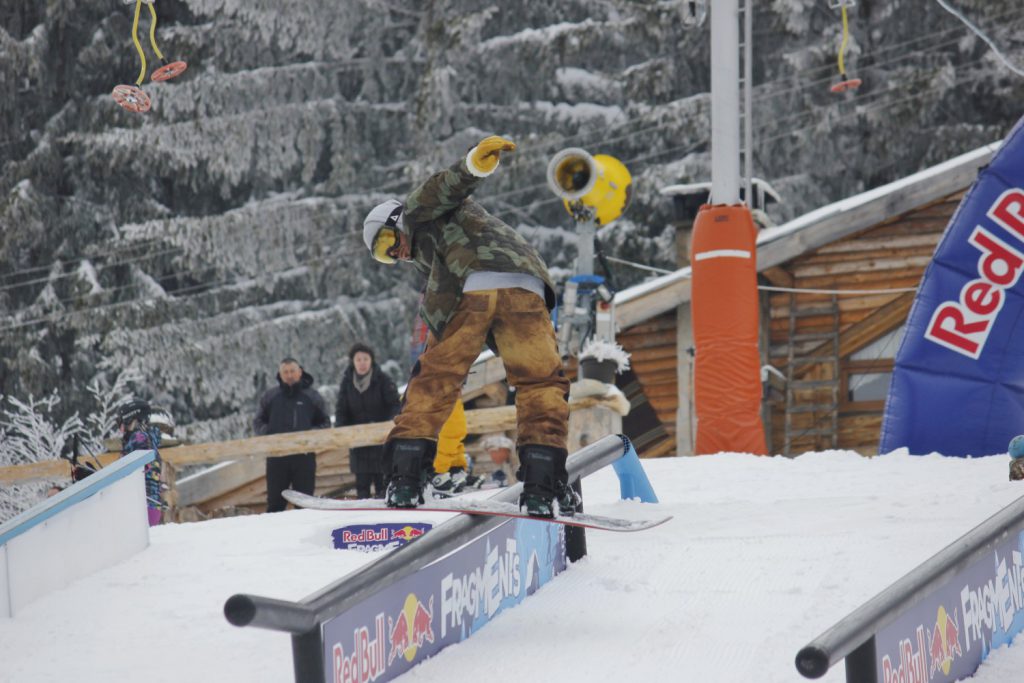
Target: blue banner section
<point x="443" y="603"/>
<point x="946" y="636"/>
<point x="958" y="382"/>
<point x="377" y="536"/>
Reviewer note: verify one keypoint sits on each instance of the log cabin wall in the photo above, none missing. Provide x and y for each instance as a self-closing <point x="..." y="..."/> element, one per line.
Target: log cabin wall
<point x="889" y="256"/>
<point x="652" y="348"/>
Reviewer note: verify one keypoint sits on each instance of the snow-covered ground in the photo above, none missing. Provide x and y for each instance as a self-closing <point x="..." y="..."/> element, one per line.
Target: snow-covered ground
<point x="763" y="555"/>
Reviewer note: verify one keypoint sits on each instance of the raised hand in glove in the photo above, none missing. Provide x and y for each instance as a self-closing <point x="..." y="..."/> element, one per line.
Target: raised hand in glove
<point x="484" y="158"/>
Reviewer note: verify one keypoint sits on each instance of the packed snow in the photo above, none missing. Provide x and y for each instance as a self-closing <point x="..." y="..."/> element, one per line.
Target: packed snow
<point x="763" y="554"/>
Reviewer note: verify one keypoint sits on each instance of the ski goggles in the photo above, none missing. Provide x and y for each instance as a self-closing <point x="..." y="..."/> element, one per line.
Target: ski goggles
<point x="385" y="245"/>
<point x="387" y="241"/>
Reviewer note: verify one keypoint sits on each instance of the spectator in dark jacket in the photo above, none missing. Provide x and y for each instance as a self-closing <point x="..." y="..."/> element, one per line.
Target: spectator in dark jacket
<point x="366" y="395"/>
<point x="292" y="406"/>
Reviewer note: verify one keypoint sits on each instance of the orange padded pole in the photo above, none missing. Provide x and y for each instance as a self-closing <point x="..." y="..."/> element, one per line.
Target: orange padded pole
<point x="727" y="365"/>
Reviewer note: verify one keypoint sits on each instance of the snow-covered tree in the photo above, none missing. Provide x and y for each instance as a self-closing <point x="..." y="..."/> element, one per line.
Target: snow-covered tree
<point x="28" y="432"/>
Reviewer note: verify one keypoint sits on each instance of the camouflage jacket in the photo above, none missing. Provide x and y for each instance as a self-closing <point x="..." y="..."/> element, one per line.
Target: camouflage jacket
<point x="453" y="236"/>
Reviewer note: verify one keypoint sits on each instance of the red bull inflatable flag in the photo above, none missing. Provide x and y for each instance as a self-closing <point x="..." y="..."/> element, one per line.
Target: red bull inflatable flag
<point x="958" y="381"/>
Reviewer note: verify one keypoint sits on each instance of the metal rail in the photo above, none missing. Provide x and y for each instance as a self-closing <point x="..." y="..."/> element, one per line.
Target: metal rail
<point x="860" y="626"/>
<point x="303" y="618"/>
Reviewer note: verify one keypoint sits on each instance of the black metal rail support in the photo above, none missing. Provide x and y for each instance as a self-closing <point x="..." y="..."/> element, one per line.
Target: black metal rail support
<point x="303" y="619"/>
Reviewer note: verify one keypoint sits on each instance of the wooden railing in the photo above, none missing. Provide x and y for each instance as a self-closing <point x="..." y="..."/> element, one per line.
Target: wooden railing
<point x="241" y="481"/>
<point x="478" y="421"/>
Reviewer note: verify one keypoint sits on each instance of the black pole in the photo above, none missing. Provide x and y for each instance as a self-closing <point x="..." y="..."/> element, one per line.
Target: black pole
<point x="576" y="536"/>
<point x="862" y="665"/>
<point x="307" y="656"/>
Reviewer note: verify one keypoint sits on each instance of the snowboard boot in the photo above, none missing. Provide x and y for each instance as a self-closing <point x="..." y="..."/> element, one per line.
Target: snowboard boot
<point x="464" y="481"/>
<point x="473" y="482"/>
<point x="407" y="458"/>
<point x="454" y="482"/>
<point x="443" y="484"/>
<point x="538" y="470"/>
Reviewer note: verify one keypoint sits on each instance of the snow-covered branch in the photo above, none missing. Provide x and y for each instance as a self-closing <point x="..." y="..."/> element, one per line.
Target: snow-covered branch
<point x="28" y="432"/>
<point x="102" y="422"/>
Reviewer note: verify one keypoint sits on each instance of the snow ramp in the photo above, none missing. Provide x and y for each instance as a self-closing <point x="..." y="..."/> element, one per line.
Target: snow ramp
<point x="94" y="523"/>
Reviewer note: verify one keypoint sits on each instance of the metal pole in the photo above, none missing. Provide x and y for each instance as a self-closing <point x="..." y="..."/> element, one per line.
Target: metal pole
<point x="585" y="247"/>
<point x="725" y="171"/>
<point x="279" y="615"/>
<point x="748" y="106"/>
<point x="308" y="657"/>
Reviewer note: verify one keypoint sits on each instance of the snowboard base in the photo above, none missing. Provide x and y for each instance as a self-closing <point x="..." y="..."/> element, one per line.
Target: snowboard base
<point x="476" y="507"/>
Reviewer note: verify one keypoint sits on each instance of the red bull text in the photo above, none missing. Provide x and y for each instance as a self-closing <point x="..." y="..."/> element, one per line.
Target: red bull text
<point x="366" y="661"/>
<point x="963" y="326"/>
<point x="366" y="536"/>
<point x="913" y="667"/>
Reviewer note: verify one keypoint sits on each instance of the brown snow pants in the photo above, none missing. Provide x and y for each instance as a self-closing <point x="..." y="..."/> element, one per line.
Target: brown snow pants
<point x="525" y="339"/>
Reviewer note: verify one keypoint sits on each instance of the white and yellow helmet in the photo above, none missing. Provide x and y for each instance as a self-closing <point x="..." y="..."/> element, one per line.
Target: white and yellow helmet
<point x="380" y="230"/>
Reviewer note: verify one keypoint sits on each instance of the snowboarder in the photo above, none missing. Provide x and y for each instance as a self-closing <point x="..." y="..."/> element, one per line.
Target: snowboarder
<point x="485" y="284"/>
<point x="137" y="434"/>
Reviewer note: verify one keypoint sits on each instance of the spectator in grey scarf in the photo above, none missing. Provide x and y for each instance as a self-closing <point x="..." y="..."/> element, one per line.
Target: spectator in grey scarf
<point x="366" y="394"/>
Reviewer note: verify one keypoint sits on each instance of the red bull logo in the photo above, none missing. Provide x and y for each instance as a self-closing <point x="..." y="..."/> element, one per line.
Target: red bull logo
<point x="377" y="536"/>
<point x="408" y="532"/>
<point x="945" y="642"/>
<point x="411" y="629"/>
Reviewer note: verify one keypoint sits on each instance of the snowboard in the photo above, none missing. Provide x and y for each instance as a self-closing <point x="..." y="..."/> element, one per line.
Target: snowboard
<point x="476" y="507"/>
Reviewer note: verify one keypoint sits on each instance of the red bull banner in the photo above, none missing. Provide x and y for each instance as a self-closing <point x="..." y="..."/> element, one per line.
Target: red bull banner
<point x="442" y="604"/>
<point x="947" y="635"/>
<point x="958" y="382"/>
<point x="372" y="537"/>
